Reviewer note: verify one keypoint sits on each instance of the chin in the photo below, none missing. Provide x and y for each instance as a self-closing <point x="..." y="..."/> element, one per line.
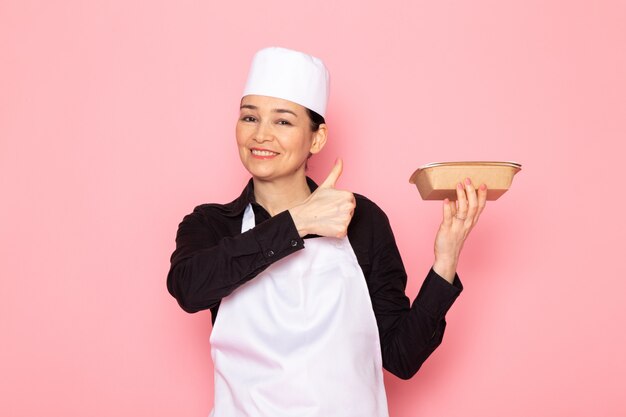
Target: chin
<point x="267" y="172"/>
<point x="259" y="173"/>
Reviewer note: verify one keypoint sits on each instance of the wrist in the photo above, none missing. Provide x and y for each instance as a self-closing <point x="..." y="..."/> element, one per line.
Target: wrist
<point x="446" y="268"/>
<point x="297" y="221"/>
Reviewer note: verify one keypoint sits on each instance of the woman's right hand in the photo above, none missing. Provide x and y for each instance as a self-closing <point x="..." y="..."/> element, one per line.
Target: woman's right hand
<point x="327" y="211"/>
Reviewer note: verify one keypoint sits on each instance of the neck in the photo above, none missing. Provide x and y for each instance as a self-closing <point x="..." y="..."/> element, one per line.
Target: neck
<point x="280" y="195"/>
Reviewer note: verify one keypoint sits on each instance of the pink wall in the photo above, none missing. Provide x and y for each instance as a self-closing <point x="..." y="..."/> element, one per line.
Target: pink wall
<point x="117" y="118"/>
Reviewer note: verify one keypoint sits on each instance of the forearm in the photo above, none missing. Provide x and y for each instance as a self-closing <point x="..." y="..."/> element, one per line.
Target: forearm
<point x="207" y="274"/>
<point x="419" y="330"/>
<point x="202" y="280"/>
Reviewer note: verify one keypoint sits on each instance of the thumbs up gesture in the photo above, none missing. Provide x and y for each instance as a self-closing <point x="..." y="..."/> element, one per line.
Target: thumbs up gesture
<point x="327" y="211"/>
<point x="334" y="175"/>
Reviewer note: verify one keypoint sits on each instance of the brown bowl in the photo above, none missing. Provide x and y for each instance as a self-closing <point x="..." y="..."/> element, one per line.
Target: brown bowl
<point x="438" y="180"/>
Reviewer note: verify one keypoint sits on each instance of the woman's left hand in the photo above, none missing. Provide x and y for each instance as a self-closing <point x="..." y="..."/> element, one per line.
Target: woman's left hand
<point x="458" y="221"/>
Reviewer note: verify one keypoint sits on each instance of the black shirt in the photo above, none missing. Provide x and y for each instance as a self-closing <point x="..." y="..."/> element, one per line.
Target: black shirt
<point x="213" y="258"/>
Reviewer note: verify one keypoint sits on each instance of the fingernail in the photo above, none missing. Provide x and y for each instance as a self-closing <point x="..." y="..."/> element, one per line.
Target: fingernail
<point x="459" y="186"/>
<point x="468" y="181"/>
<point x="483" y="187"/>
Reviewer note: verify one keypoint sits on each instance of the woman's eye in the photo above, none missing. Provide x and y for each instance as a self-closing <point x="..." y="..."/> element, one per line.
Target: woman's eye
<point x="284" y="122"/>
<point x="248" y="119"/>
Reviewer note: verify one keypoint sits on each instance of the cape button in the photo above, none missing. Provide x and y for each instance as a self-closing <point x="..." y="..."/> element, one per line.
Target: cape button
<point x="294" y="243"/>
<point x="270" y="253"/>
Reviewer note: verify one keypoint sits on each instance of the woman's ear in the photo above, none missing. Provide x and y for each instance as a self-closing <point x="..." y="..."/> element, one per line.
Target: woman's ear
<point x="319" y="139"/>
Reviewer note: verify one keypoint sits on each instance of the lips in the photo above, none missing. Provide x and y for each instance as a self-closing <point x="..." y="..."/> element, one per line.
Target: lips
<point x="263" y="153"/>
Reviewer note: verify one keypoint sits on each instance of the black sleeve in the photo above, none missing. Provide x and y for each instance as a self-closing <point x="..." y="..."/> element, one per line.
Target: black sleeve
<point x="208" y="264"/>
<point x="408" y="333"/>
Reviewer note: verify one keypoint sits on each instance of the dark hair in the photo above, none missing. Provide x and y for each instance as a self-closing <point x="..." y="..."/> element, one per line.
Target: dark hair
<point x="316" y="119"/>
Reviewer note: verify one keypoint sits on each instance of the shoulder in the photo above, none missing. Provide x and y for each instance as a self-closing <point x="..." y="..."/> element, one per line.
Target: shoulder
<point x="369" y="222"/>
<point x="232" y="209"/>
<point x="367" y="209"/>
<point x="214" y="214"/>
<point x="372" y="240"/>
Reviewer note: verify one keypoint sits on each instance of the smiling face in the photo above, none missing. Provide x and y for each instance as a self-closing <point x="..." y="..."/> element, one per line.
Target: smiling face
<point x="274" y="137"/>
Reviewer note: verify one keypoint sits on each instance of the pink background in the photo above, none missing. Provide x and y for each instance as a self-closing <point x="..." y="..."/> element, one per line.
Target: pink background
<point x="117" y="119"/>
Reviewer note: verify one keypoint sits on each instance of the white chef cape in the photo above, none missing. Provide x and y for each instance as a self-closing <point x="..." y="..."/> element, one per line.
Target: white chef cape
<point x="300" y="339"/>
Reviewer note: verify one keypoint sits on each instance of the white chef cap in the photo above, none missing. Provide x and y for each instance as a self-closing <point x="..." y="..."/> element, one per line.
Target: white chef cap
<point x="290" y="75"/>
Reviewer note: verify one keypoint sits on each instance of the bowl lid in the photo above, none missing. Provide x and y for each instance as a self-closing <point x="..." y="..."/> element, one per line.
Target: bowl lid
<point x="473" y="163"/>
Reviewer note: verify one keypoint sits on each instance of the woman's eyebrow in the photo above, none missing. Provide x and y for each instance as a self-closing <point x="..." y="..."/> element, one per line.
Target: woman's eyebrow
<point x="284" y="111"/>
<point x="253" y="107"/>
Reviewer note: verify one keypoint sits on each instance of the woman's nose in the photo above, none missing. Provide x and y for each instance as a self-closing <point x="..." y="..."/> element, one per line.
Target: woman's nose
<point x="263" y="133"/>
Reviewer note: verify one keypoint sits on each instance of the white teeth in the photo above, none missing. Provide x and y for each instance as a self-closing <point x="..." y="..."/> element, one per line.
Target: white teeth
<point x="263" y="153"/>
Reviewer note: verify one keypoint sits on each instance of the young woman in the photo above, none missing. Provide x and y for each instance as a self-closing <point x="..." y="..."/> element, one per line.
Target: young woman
<point x="305" y="283"/>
